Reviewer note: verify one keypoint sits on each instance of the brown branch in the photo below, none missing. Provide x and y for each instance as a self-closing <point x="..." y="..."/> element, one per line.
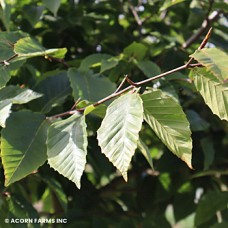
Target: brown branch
<point x="205" y="25"/>
<point x="7" y="61"/>
<point x="53" y="59"/>
<point x="116" y="94"/>
<point x="76" y="103"/>
<point x="135" y="14"/>
<point x="121" y="84"/>
<point x="202" y="45"/>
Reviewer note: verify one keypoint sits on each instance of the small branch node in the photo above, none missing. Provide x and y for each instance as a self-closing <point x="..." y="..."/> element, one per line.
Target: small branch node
<point x="131" y="82"/>
<point x="76" y="103"/>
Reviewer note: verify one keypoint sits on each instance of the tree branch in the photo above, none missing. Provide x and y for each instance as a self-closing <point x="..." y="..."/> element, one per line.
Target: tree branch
<point x="202" y="45"/>
<point x="205" y="25"/>
<point x="119" y="92"/>
<point x="135" y="14"/>
<point x="132" y="86"/>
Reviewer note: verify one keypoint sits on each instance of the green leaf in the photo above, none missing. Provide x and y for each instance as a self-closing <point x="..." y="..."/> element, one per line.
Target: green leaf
<point x="215" y="61"/>
<point x="7" y="41"/>
<point x="25" y="150"/>
<point x="14" y="95"/>
<point x="149" y="68"/>
<point x="208" y="151"/>
<point x="67" y="147"/>
<point x="93" y="60"/>
<point x="119" y="132"/>
<point x="221" y="6"/>
<point x="209" y="205"/>
<point x="5" y="14"/>
<point x="55" y="88"/>
<point x="4" y="76"/>
<point x="146" y="152"/>
<point x="135" y="50"/>
<point x="196" y="122"/>
<point x="19" y="208"/>
<point x="5" y="110"/>
<point x="33" y="13"/>
<point x="56" y="187"/>
<point x="169" y="3"/>
<point x="210" y="173"/>
<point x="89" y="86"/>
<point x="52" y="5"/>
<point x="18" y="95"/>
<point x="107" y="64"/>
<point x="220" y="225"/>
<point x="99" y="110"/>
<point x="214" y="93"/>
<point x="166" y="117"/>
<point x="28" y="47"/>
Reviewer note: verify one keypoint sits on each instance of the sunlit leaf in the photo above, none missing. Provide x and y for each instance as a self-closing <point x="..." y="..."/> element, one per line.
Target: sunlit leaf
<point x="5" y="110"/>
<point x="18" y="95"/>
<point x="98" y="110"/>
<point x="14" y="95"/>
<point x="119" y="131"/>
<point x="214" y="92"/>
<point x="135" y="50"/>
<point x="166" y="117"/>
<point x="67" y="147"/>
<point x="215" y="61"/>
<point x="7" y="41"/>
<point x="52" y="5"/>
<point x="169" y="3"/>
<point x="107" y="64"/>
<point x="93" y="60"/>
<point x="25" y="150"/>
<point x="28" y="47"/>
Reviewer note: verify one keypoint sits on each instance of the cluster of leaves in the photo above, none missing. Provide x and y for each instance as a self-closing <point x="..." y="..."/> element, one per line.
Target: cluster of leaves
<point x="153" y="116"/>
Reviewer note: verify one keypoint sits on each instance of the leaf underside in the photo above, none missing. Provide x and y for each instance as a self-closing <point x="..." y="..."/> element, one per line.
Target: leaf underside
<point x="119" y="132"/>
<point x="67" y="147"/>
<point x="214" y="92"/>
<point x="167" y="119"/>
<point x="13" y="95"/>
<point x="215" y="61"/>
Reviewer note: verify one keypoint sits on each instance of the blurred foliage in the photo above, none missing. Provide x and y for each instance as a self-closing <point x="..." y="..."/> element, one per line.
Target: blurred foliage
<point x="112" y="39"/>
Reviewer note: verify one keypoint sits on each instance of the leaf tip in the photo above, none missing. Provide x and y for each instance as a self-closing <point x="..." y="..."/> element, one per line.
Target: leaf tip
<point x="78" y="185"/>
<point x="124" y="174"/>
<point x="187" y="158"/>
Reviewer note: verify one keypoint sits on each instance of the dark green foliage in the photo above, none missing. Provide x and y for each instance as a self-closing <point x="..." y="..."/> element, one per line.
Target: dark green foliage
<point x="59" y="59"/>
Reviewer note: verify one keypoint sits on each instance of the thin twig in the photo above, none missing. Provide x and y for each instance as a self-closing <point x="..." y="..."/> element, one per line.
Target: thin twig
<point x="121" y="84"/>
<point x="116" y="94"/>
<point x="202" y="45"/>
<point x="76" y="103"/>
<point x="53" y="59"/>
<point x="131" y="82"/>
<point x="206" y="23"/>
<point x="7" y="61"/>
<point x="71" y="112"/>
<point x="135" y="14"/>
